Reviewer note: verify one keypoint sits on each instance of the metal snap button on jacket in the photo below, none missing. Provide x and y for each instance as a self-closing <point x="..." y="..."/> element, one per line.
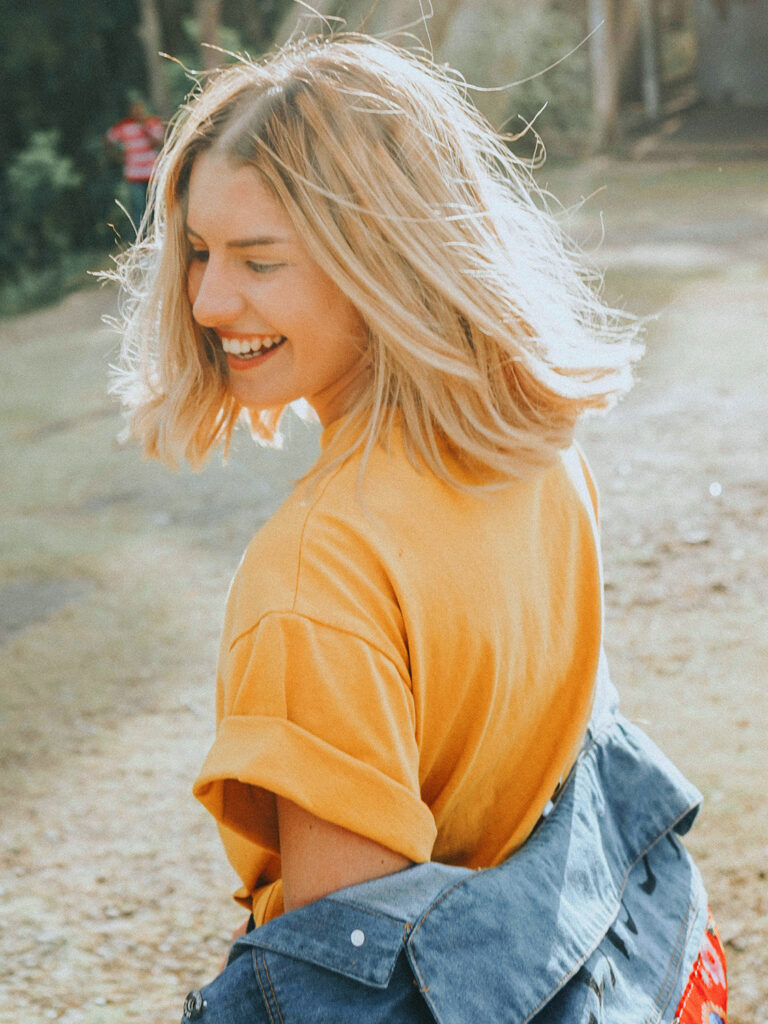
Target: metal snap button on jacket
<point x="194" y="1005"/>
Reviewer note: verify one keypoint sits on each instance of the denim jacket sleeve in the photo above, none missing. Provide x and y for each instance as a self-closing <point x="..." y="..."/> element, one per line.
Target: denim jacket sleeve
<point x="599" y="916"/>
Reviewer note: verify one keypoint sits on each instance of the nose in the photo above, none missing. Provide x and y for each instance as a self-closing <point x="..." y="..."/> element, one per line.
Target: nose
<point x="215" y="299"/>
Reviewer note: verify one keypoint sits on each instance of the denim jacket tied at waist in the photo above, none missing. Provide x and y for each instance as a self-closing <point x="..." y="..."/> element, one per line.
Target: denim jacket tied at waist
<point x="599" y="916"/>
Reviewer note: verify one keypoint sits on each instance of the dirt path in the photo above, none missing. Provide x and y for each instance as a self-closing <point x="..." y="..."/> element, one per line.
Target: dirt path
<point x="113" y="889"/>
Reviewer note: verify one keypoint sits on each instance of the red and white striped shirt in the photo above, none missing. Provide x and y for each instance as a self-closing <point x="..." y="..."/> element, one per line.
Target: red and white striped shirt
<point x="140" y="141"/>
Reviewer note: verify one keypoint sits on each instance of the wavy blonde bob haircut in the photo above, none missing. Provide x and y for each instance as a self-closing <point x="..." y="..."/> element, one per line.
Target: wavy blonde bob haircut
<point x="485" y="332"/>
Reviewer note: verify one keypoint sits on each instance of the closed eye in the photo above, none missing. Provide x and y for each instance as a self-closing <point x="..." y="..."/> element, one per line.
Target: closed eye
<point x="199" y="255"/>
<point x="264" y="268"/>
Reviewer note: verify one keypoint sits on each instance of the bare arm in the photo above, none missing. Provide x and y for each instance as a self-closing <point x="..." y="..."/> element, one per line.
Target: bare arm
<point x="318" y="857"/>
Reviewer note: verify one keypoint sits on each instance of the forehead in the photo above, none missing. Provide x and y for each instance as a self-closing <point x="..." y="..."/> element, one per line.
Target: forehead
<point x="224" y="197"/>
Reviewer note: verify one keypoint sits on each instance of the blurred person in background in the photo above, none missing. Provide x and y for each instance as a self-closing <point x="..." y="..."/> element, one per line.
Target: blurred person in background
<point x="135" y="142"/>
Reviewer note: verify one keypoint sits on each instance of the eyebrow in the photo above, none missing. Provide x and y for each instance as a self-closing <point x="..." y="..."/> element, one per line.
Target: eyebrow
<point x="245" y="243"/>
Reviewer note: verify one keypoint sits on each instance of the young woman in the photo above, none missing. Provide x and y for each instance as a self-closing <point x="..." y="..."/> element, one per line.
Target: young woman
<point x="411" y="685"/>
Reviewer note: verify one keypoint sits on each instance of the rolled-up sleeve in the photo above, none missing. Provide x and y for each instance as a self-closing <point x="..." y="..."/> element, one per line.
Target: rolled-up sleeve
<point x="323" y="717"/>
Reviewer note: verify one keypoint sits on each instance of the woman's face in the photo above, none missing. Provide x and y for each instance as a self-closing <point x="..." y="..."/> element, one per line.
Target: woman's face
<point x="288" y="331"/>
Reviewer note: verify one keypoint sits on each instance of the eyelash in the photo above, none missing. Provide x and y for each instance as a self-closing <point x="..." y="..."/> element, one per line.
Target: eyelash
<point x="201" y="256"/>
<point x="263" y="268"/>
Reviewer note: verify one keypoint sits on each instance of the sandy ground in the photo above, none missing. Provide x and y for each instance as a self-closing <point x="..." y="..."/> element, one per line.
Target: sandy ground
<point x="113" y="889"/>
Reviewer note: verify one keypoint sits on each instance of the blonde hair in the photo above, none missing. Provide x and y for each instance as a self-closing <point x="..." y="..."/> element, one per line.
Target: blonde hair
<point x="485" y="331"/>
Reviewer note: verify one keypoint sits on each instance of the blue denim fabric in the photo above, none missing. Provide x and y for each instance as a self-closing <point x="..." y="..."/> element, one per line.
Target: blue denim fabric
<point x="598" y="917"/>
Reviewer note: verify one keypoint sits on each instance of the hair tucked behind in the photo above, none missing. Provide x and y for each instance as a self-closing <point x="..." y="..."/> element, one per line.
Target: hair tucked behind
<point x="485" y="330"/>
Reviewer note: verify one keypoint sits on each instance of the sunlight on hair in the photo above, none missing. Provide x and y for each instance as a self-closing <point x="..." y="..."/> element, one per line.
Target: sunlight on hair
<point x="486" y="329"/>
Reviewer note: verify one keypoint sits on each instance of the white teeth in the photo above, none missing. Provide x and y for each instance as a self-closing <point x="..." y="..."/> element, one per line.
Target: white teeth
<point x="241" y="347"/>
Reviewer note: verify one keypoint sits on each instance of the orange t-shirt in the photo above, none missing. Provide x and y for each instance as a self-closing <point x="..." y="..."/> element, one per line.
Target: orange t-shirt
<point x="406" y="660"/>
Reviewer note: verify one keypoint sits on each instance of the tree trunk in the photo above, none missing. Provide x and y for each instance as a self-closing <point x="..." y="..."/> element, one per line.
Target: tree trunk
<point x="150" y="34"/>
<point x="605" y="80"/>
<point x="651" y="64"/>
<point x="207" y="13"/>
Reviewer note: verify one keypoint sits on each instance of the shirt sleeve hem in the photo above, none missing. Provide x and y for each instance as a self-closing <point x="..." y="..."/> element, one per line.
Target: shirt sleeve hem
<point x="278" y="756"/>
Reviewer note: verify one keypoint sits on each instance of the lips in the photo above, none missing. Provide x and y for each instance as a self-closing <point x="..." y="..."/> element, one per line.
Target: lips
<point x="250" y="346"/>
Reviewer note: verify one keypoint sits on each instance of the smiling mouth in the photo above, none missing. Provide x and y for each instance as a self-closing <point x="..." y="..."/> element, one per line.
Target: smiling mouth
<point x="251" y="348"/>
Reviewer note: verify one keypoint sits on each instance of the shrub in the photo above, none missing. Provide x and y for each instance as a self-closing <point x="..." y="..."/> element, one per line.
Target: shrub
<point x="35" y="231"/>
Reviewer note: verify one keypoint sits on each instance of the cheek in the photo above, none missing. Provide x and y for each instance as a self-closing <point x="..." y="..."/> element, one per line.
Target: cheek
<point x="345" y="321"/>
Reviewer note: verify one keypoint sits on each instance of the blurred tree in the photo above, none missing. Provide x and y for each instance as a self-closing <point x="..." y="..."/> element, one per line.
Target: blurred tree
<point x="208" y="13"/>
<point x="150" y="33"/>
<point x="38" y="179"/>
<point x="72" y="67"/>
<point x="638" y="54"/>
<point x="257" y="22"/>
<point x="67" y="67"/>
<point x="650" y="57"/>
<point x="605" y="77"/>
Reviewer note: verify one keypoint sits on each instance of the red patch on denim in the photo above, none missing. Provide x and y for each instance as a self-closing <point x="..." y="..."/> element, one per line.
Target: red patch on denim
<point x="705" y="1000"/>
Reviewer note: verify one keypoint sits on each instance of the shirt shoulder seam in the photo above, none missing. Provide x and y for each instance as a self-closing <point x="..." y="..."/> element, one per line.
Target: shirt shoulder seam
<point x="304" y="527"/>
<point x="293" y="614"/>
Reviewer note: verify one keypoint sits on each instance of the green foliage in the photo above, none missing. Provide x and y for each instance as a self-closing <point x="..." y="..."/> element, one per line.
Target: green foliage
<point x="185" y="70"/>
<point x="34" y="288"/>
<point x="561" y="96"/>
<point x="36" y="230"/>
<point x="69" y="69"/>
<point x="38" y="183"/>
<point x="525" y="59"/>
<point x="65" y="72"/>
